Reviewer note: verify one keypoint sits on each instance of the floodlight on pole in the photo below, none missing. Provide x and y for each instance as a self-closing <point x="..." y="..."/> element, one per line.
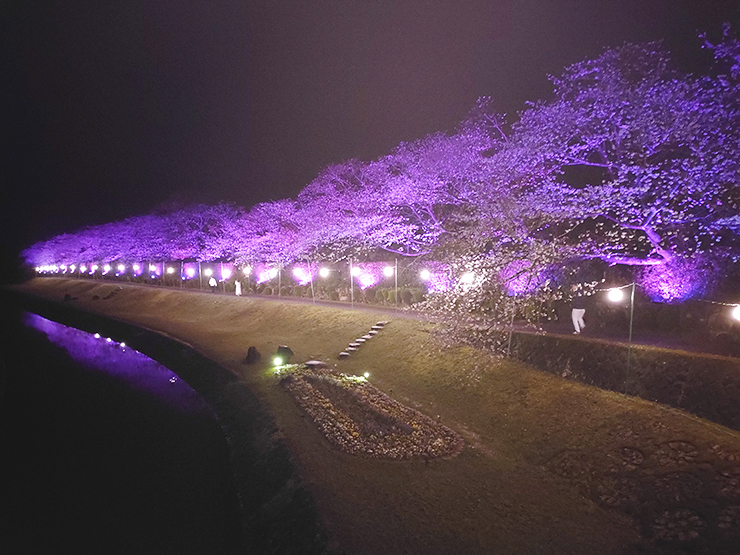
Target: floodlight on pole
<point x="425" y="275"/>
<point x="615" y="295"/>
<point x="388" y="271"/>
<point x="324" y="272"/>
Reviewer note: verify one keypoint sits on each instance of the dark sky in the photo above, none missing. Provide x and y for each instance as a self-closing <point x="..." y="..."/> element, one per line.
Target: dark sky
<point x="115" y="108"/>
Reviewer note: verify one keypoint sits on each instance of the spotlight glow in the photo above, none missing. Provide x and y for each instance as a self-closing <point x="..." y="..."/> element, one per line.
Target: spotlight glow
<point x="356" y="271"/>
<point x="190" y="272"/>
<point x="152" y="268"/>
<point x="736" y="312"/>
<point x="388" y="271"/>
<point x="367" y="375"/>
<point x="170" y="270"/>
<point x="123" y="345"/>
<point x="246" y="271"/>
<point x="615" y="295"/>
<point x="137" y="267"/>
<point x="425" y="275"/>
<point x="467" y="278"/>
<point x="225" y="273"/>
<point x="208" y="272"/>
<point x="106" y="268"/>
<point x="96" y="336"/>
<point x="72" y="268"/>
<point x="94" y="268"/>
<point x="277" y="361"/>
<point x="121" y="268"/>
<point x="83" y="268"/>
<point x="324" y="272"/>
<point x="272" y="273"/>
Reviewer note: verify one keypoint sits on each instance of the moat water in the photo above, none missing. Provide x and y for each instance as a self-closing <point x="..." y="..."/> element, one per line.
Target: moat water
<point x="106" y="451"/>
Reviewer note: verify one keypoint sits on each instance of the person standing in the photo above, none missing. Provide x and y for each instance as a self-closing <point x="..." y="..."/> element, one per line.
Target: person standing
<point x="213" y="284"/>
<point x="238" y="288"/>
<point x="578" y="310"/>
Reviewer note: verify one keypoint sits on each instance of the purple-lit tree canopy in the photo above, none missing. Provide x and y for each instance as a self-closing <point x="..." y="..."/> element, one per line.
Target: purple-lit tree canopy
<point x="630" y="162"/>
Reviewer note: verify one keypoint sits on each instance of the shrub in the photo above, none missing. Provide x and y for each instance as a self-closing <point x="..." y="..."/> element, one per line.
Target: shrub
<point x="267" y="291"/>
<point x="417" y="295"/>
<point x="333" y="296"/>
<point x="407" y="296"/>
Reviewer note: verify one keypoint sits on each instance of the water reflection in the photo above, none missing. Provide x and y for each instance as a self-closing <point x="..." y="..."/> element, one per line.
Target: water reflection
<point x="119" y="361"/>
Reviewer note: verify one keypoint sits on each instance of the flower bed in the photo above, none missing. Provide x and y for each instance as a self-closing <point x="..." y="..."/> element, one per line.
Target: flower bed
<point x="358" y="418"/>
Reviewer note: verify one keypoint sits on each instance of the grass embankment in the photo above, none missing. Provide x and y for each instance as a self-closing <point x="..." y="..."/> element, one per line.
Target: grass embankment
<point x="548" y="466"/>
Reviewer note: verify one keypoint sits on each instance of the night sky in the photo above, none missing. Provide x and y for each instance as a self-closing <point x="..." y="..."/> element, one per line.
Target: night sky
<point x="118" y="108"/>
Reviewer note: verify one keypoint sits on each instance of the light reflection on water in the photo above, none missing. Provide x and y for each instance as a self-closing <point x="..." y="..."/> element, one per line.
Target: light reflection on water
<point x="121" y="362"/>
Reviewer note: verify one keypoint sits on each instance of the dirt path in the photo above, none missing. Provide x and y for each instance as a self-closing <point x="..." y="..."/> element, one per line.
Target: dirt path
<point x="548" y="466"/>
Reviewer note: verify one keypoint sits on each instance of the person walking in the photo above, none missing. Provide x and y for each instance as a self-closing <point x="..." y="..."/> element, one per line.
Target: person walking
<point x="578" y="310"/>
<point x="212" y="284"/>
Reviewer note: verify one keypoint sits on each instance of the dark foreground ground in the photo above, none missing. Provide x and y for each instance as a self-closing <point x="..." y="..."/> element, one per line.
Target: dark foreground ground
<point x="548" y="465"/>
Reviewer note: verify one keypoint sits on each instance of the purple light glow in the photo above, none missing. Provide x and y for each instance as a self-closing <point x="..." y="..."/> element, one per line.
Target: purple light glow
<point x="674" y="282"/>
<point x="190" y="272"/>
<point x="366" y="280"/>
<point x="302" y="275"/>
<point x="518" y="278"/>
<point x="265" y="273"/>
<point x="368" y="274"/>
<point x="437" y="276"/>
<point x="125" y="364"/>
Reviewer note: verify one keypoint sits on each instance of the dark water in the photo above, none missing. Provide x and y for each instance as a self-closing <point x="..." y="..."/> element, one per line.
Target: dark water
<point x="105" y="451"/>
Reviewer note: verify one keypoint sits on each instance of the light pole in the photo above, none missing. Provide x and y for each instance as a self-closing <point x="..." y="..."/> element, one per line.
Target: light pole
<point x="615" y="295"/>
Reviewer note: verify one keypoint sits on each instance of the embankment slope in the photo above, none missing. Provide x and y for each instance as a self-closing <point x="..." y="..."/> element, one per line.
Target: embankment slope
<point x="549" y="466"/>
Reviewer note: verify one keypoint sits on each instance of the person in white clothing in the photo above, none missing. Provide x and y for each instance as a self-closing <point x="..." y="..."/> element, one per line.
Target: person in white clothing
<point x="578" y="311"/>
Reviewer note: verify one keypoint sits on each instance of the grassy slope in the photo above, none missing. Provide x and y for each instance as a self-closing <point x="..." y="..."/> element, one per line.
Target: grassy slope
<point x="537" y="447"/>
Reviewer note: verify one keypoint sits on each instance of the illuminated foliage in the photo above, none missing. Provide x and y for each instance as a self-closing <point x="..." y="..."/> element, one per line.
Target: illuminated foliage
<point x="629" y="163"/>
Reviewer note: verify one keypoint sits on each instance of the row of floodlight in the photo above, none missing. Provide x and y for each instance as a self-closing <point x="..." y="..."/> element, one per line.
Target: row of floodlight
<point x="271" y="273"/>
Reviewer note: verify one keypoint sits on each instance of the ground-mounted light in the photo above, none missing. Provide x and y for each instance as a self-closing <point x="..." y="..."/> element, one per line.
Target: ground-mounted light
<point x="425" y="275"/>
<point x="324" y="272"/>
<point x="615" y="294"/>
<point x="388" y="271"/>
